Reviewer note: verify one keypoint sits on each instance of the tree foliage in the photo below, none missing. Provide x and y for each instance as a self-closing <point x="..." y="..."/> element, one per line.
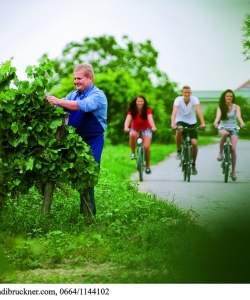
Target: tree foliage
<point x="246" y="36"/>
<point x="104" y="53"/>
<point x="122" y="71"/>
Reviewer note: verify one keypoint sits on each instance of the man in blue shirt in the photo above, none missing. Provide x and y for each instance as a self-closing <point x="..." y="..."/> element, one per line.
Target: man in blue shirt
<point x="87" y="107"/>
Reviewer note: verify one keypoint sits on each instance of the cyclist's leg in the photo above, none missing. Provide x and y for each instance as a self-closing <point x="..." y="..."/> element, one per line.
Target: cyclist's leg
<point x="223" y="134"/>
<point x="146" y="137"/>
<point x="234" y="140"/>
<point x="194" y="143"/>
<point x="178" y="136"/>
<point x="133" y="135"/>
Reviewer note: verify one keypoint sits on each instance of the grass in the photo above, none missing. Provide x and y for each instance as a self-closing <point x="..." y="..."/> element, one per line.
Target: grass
<point x="136" y="238"/>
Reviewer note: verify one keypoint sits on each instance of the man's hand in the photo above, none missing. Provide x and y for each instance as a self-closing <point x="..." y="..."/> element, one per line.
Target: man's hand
<point x="203" y="126"/>
<point x="173" y="126"/>
<point x="52" y="100"/>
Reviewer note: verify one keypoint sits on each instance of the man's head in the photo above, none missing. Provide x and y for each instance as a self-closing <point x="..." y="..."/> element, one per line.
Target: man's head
<point x="83" y="77"/>
<point x="186" y="92"/>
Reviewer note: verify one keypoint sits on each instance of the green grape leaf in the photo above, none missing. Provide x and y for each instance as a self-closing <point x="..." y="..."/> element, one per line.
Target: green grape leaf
<point x="55" y="123"/>
<point x="14" y="127"/>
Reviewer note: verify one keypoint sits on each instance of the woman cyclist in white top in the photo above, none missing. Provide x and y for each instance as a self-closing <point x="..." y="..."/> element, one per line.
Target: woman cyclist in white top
<point x="228" y="112"/>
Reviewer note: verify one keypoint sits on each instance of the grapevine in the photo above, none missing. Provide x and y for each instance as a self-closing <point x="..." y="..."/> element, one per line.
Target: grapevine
<point x="31" y="153"/>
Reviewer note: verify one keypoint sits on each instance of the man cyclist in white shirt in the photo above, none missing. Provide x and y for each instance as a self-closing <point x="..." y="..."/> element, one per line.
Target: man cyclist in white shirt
<point x="184" y="113"/>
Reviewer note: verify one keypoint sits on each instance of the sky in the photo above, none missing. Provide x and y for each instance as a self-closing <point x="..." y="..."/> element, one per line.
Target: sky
<point x="199" y="41"/>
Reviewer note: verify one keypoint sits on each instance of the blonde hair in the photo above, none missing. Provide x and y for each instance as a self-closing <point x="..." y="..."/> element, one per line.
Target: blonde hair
<point x="186" y="87"/>
<point x="86" y="69"/>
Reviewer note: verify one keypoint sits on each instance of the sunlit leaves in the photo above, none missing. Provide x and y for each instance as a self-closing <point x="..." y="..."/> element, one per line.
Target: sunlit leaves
<point x="30" y="162"/>
<point x="55" y="123"/>
<point x="16" y="182"/>
<point x="14" y="127"/>
<point x="28" y="70"/>
<point x="246" y="36"/>
<point x="39" y="127"/>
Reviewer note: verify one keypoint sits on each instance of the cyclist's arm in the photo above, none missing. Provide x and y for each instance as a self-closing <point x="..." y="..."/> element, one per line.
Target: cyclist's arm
<point x="173" y="116"/>
<point x="127" y="122"/>
<point x="217" y="118"/>
<point x="200" y="115"/>
<point x="238" y="115"/>
<point x="151" y="122"/>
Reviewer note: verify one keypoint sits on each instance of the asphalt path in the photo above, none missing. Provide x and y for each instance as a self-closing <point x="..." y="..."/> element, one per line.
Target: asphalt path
<point x="218" y="205"/>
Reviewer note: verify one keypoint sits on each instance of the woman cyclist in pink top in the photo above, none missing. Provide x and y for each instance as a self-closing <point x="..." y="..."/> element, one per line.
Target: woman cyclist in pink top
<point x="139" y="117"/>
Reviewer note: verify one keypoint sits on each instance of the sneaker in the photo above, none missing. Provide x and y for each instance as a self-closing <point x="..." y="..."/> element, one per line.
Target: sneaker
<point x="178" y="156"/>
<point x="148" y="171"/>
<point x="194" y="171"/>
<point x="132" y="156"/>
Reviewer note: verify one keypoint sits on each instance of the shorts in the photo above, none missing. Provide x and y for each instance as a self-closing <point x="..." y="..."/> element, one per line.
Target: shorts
<point x="146" y="132"/>
<point x="232" y="132"/>
<point x="193" y="133"/>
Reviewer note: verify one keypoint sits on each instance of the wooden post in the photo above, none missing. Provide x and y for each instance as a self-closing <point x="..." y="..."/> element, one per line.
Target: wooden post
<point x="48" y="197"/>
<point x="48" y="189"/>
<point x="15" y="195"/>
<point x="61" y="129"/>
<point x="2" y="200"/>
<point x="86" y="207"/>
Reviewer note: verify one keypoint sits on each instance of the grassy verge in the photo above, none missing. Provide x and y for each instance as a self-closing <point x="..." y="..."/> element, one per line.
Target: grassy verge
<point x="136" y="238"/>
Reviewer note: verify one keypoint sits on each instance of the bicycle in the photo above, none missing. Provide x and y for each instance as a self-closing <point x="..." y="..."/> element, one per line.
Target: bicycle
<point x="227" y="152"/>
<point x="140" y="157"/>
<point x="186" y="152"/>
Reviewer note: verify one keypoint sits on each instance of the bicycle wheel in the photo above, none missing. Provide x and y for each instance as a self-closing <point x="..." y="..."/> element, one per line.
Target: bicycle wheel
<point x="226" y="163"/>
<point x="182" y="161"/>
<point x="223" y="166"/>
<point x="189" y="162"/>
<point x="184" y="164"/>
<point x="140" y="163"/>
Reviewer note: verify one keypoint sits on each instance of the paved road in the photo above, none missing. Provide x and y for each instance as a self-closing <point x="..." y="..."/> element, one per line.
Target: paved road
<point x="220" y="206"/>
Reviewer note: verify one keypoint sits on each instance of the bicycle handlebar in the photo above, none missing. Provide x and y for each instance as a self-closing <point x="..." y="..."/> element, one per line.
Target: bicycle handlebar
<point x="228" y="128"/>
<point x="187" y="128"/>
<point x="141" y="130"/>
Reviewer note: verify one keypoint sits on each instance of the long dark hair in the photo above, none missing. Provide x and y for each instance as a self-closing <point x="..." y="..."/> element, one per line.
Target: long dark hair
<point x="223" y="105"/>
<point x="133" y="108"/>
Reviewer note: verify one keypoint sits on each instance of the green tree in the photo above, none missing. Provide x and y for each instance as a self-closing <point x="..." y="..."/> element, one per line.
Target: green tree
<point x="104" y="54"/>
<point x="246" y="36"/>
<point x="122" y="72"/>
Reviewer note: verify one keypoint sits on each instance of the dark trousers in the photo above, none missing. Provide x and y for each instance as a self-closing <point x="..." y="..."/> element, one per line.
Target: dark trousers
<point x="96" y="144"/>
<point x="92" y="200"/>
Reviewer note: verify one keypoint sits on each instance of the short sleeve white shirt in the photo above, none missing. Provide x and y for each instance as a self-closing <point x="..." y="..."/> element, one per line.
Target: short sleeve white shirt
<point x="186" y="113"/>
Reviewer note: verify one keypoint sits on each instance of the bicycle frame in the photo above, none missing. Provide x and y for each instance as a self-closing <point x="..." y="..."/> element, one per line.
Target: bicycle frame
<point x="186" y="152"/>
<point x="227" y="152"/>
<point x="140" y="157"/>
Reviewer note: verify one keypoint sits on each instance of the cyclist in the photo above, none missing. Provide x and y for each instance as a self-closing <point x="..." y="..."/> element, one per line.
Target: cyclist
<point x="184" y="115"/>
<point x="228" y="112"/>
<point x="140" y="116"/>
